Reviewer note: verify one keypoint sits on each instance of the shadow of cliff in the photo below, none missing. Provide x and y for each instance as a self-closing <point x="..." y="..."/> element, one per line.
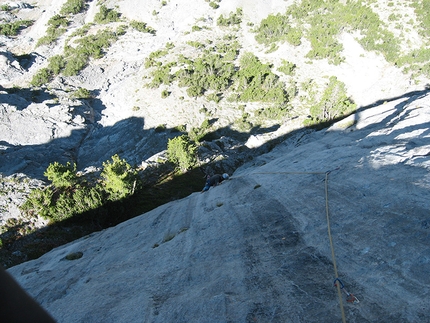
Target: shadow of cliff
<point x="21" y="98"/>
<point x="166" y="186"/>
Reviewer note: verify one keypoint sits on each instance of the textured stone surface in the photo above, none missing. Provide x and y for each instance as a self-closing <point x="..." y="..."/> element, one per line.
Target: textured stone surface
<point x="256" y="249"/>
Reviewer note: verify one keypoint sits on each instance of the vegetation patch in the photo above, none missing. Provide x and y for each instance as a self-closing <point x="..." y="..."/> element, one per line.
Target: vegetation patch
<point x="255" y="82"/>
<point x="217" y="70"/>
<point x="70" y="195"/>
<point x="276" y="28"/>
<point x="106" y="15"/>
<point x="235" y="18"/>
<point x="321" y="21"/>
<point x="72" y="7"/>
<point x="182" y="152"/>
<point x="142" y="27"/>
<point x="334" y="103"/>
<point x="13" y="28"/>
<point x="76" y="58"/>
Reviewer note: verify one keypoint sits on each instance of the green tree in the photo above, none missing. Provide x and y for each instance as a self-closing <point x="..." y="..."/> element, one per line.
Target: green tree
<point x="62" y="176"/>
<point x="182" y="152"/>
<point x="119" y="179"/>
<point x="334" y="103"/>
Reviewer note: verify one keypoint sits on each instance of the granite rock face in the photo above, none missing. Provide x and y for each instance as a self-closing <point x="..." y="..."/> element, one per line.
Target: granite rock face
<point x="256" y="248"/>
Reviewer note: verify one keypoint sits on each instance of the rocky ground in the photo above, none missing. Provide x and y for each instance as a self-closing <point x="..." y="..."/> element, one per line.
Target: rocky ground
<point x="41" y="125"/>
<point x="256" y="249"/>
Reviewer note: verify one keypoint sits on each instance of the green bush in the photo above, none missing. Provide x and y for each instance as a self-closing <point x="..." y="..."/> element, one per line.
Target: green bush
<point x="214" y="5"/>
<point x="276" y="112"/>
<point x="75" y="58"/>
<point x="256" y="82"/>
<point x="119" y="179"/>
<point x="62" y="176"/>
<point x="321" y="21"/>
<point x="161" y="75"/>
<point x="209" y="72"/>
<point x="181" y="151"/>
<point x="235" y="18"/>
<point x="91" y="46"/>
<point x="333" y="104"/>
<point x="142" y="27"/>
<point x="13" y="28"/>
<point x="72" y="7"/>
<point x="56" y="64"/>
<point x="272" y="29"/>
<point x="56" y="27"/>
<point x="39" y="202"/>
<point x="43" y="76"/>
<point x="196" y="134"/>
<point x="5" y="7"/>
<point x="81" y="93"/>
<point x="164" y="94"/>
<point x="105" y="15"/>
<point x="75" y="64"/>
<point x="287" y="67"/>
<point x="215" y="97"/>
<point x="70" y="195"/>
<point x="422" y="12"/>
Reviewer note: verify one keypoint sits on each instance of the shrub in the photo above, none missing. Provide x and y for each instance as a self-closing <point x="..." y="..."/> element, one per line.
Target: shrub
<point x="89" y="46"/>
<point x="106" y="15"/>
<point x="209" y="72"/>
<point x="75" y="64"/>
<point x="276" y="112"/>
<point x="215" y="97"/>
<point x="56" y="27"/>
<point x="287" y="67"/>
<point x="233" y="19"/>
<point x="142" y="27"/>
<point x="181" y="151"/>
<point x="422" y="13"/>
<point x="119" y="179"/>
<point x="60" y="175"/>
<point x="13" y="28"/>
<point x="333" y="104"/>
<point x="81" y="93"/>
<point x="161" y="75"/>
<point x="39" y="202"/>
<point x="196" y="134"/>
<point x="272" y="29"/>
<point x="256" y="82"/>
<point x="165" y="94"/>
<point x="214" y="5"/>
<point x="5" y="7"/>
<point x="56" y="64"/>
<point x="43" y="76"/>
<point x="69" y="195"/>
<point x="72" y="7"/>
<point x="87" y="198"/>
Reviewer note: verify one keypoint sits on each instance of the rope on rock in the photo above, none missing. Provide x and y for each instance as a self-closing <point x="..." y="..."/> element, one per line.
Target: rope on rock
<point x="350" y="298"/>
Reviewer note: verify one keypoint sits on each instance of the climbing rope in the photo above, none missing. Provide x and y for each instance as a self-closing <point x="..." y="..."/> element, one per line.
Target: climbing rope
<point x="350" y="298"/>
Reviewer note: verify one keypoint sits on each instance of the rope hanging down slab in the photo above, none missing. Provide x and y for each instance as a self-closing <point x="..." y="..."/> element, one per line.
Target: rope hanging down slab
<point x="339" y="285"/>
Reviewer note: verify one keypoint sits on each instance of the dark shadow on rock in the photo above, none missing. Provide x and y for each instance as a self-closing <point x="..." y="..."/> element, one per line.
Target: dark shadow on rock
<point x="22" y="98"/>
<point x="27" y="60"/>
<point x="131" y="141"/>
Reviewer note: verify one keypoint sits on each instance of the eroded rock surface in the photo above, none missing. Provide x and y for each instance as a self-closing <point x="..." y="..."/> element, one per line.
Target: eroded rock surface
<point x="256" y="247"/>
